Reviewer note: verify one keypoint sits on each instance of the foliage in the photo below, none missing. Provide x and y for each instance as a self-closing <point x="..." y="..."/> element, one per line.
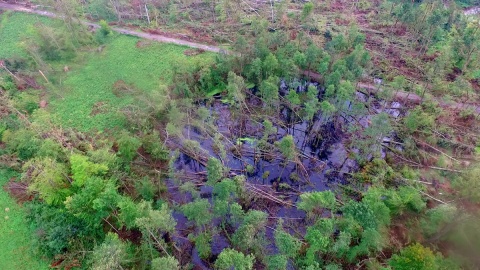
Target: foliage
<point x="286" y="243"/>
<point x="313" y="202"/>
<point x="203" y="244"/>
<point x="103" y="33"/>
<point x="23" y="142"/>
<point x="287" y="147"/>
<point x="94" y="201"/>
<point x="82" y="169"/>
<point x="415" y="256"/>
<point x="153" y="146"/>
<point x="54" y="43"/>
<point x="230" y="258"/>
<point x="156" y="219"/>
<point x="277" y="262"/>
<point x="269" y="91"/>
<point x="438" y="217"/>
<point x="49" y="178"/>
<point x="468" y="185"/>
<point x="249" y="234"/>
<point x="128" y="146"/>
<point x="215" y="171"/>
<point x="198" y="211"/>
<point x="58" y="231"/>
<point x="165" y="263"/>
<point x="111" y="254"/>
<point x="145" y="188"/>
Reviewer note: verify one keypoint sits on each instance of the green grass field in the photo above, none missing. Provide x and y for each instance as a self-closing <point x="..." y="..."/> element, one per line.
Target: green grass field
<point x="90" y="85"/>
<point x="14" y="27"/>
<point x="15" y="235"/>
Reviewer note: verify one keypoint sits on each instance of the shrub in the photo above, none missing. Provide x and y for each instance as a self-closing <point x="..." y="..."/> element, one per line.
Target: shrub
<point x="415" y="257"/>
<point x="128" y="146"/>
<point x="23" y="142"/>
<point x="232" y="259"/>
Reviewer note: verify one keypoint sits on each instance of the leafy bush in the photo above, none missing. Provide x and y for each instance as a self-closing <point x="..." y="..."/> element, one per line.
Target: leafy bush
<point x="111" y="254"/>
<point x="415" y="257"/>
<point x="58" y="231"/>
<point x="232" y="259"/>
<point x="165" y="263"/>
<point x="51" y="149"/>
<point x="145" y="188"/>
<point x="153" y="145"/>
<point x="23" y="142"/>
<point x="314" y="202"/>
<point x="82" y="169"/>
<point x="55" y="43"/>
<point x="49" y="178"/>
<point x="468" y="185"/>
<point x="128" y="146"/>
<point x="102" y="34"/>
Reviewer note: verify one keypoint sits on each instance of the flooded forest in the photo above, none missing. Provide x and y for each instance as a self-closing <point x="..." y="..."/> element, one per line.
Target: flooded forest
<point x="172" y="135"/>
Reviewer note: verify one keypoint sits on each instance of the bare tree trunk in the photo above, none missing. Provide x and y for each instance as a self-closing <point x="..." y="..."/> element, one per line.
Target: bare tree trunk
<point x="148" y="16"/>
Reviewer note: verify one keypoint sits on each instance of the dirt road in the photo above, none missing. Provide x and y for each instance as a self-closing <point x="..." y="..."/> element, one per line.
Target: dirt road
<point x="155" y="37"/>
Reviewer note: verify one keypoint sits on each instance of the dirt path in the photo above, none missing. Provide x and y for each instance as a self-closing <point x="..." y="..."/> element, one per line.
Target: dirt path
<point x="155" y="37"/>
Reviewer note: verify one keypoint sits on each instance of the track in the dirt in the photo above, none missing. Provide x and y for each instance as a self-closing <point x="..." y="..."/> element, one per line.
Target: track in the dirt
<point x="155" y="37"/>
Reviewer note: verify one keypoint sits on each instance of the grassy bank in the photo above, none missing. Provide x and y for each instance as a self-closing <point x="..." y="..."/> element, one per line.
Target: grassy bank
<point x="15" y="234"/>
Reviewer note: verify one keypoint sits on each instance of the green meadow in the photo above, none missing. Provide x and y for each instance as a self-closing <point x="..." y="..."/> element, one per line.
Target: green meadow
<point x="90" y="86"/>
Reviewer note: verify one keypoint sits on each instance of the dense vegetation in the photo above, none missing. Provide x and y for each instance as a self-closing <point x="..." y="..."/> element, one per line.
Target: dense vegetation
<point x="330" y="135"/>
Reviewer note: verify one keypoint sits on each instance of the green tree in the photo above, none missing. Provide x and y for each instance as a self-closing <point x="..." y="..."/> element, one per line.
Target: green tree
<point x="468" y="185"/>
<point x="82" y="169"/>
<point x="236" y="86"/>
<point x="287" y="147"/>
<point x="255" y="71"/>
<point x="270" y="65"/>
<point x="307" y="11"/>
<point x="95" y="201"/>
<point x="287" y="244"/>
<point x="198" y="211"/>
<point x="313" y="203"/>
<point x="215" y="171"/>
<point x="128" y="146"/>
<point x="269" y="91"/>
<point x="415" y="257"/>
<point x="155" y="223"/>
<point x="49" y="178"/>
<point x="110" y="255"/>
<point x="293" y="97"/>
<point x="250" y="233"/>
<point x="165" y="263"/>
<point x="23" y="142"/>
<point x="232" y="259"/>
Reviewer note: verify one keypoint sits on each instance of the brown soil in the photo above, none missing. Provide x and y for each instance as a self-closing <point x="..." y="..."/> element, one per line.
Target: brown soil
<point x="18" y="191"/>
<point x="134" y="236"/>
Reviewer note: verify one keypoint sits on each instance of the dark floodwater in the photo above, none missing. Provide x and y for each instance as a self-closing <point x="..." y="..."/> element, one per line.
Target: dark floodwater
<point x="323" y="156"/>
